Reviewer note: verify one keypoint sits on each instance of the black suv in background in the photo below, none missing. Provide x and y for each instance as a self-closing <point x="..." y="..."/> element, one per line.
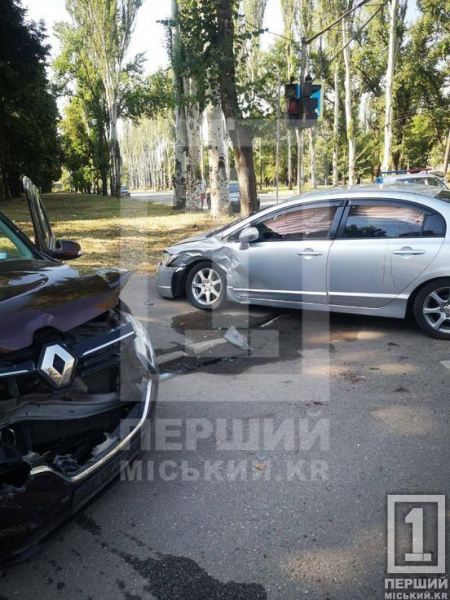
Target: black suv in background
<point x="78" y="381"/>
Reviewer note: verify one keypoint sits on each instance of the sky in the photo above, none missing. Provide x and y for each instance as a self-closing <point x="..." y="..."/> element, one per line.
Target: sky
<point x="149" y="35"/>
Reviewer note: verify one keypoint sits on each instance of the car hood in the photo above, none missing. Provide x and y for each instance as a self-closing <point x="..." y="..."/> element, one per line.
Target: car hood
<point x="195" y="238"/>
<point x="195" y="244"/>
<point x="38" y="293"/>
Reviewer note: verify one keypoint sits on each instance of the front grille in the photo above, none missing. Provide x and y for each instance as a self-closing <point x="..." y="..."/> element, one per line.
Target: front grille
<point x="98" y="347"/>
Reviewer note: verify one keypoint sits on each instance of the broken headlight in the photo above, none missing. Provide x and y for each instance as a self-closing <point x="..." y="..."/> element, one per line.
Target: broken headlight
<point x="142" y="343"/>
<point x="167" y="258"/>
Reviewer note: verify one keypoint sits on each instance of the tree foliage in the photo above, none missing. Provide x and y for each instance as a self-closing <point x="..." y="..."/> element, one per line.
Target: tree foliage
<point x="29" y="142"/>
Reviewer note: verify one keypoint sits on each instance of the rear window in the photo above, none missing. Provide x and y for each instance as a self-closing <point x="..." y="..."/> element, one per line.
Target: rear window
<point x="234" y="188"/>
<point x="390" y="221"/>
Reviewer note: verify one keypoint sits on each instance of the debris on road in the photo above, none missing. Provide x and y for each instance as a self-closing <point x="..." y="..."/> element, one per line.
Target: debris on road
<point x="272" y="321"/>
<point x="233" y="336"/>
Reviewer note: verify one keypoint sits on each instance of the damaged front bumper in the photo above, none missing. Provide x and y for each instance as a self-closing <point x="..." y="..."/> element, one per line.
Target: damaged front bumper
<point x="169" y="281"/>
<point x="57" y="450"/>
<point x="29" y="513"/>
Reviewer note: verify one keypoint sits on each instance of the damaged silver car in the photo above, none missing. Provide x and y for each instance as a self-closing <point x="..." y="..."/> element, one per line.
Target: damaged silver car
<point x="380" y="250"/>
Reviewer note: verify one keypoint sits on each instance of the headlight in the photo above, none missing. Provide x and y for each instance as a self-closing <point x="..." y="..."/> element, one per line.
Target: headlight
<point x="168" y="258"/>
<point x="142" y="343"/>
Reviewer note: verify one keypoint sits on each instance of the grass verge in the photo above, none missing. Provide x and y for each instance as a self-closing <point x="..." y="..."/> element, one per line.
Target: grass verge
<point x="124" y="233"/>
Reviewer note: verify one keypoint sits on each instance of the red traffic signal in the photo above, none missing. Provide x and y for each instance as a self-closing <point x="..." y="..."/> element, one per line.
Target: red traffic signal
<point x="293" y="106"/>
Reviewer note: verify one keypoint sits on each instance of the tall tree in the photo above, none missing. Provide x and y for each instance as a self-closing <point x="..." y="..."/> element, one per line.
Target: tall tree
<point x="213" y="57"/>
<point x="288" y="11"/>
<point x="76" y="79"/>
<point x="389" y="112"/>
<point x="241" y="131"/>
<point x="194" y="119"/>
<point x="336" y="125"/>
<point x="107" y="26"/>
<point x="350" y="123"/>
<point x="181" y="141"/>
<point x="29" y="141"/>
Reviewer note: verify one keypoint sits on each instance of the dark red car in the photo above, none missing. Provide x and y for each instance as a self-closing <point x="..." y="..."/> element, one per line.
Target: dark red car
<point x="78" y="382"/>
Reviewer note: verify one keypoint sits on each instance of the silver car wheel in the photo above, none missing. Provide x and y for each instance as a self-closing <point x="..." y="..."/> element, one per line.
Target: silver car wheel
<point x="206" y="286"/>
<point x="436" y="309"/>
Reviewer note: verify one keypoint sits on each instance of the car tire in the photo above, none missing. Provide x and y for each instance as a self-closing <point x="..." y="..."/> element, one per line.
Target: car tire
<point x="431" y="308"/>
<point x="206" y="286"/>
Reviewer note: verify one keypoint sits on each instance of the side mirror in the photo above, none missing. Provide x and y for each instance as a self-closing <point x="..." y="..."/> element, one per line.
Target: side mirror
<point x="67" y="250"/>
<point x="248" y="235"/>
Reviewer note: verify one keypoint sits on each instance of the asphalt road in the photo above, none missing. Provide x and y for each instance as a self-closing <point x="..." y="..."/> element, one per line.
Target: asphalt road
<point x="224" y="510"/>
<point x="167" y="197"/>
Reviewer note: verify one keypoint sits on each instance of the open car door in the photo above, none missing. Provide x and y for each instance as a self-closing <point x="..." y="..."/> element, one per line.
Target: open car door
<point x="44" y="238"/>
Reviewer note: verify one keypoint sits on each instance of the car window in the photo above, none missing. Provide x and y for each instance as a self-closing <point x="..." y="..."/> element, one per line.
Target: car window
<point x="298" y="224"/>
<point x="434" y="226"/>
<point x="384" y="221"/>
<point x="10" y="245"/>
<point x="432" y="181"/>
<point x="233" y="188"/>
<point x="419" y="180"/>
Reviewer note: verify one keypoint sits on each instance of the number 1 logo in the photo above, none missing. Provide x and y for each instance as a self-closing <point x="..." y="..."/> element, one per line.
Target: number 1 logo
<point x="428" y="560"/>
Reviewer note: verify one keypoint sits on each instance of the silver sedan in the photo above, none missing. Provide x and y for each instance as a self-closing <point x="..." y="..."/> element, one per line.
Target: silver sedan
<point x="381" y="250"/>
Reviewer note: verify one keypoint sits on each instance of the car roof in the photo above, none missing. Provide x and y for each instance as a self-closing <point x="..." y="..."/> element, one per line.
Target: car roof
<point x="434" y="197"/>
<point x="405" y="190"/>
<point x="421" y="175"/>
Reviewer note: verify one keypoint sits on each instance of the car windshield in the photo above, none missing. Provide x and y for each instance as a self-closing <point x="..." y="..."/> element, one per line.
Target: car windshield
<point x="11" y="246"/>
<point x="217" y="231"/>
<point x="234" y="188"/>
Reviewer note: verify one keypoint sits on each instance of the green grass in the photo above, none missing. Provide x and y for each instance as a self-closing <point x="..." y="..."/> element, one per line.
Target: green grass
<point x="124" y="233"/>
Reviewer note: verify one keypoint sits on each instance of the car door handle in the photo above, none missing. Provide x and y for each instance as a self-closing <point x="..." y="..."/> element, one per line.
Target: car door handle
<point x="408" y="251"/>
<point x="309" y="252"/>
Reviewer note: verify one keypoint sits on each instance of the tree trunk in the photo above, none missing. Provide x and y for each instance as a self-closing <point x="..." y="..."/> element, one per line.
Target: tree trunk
<point x="194" y="154"/>
<point x="114" y="149"/>
<point x="289" y="158"/>
<point x="241" y="133"/>
<point x="218" y="181"/>
<point x="299" y="133"/>
<point x="447" y="154"/>
<point x="181" y="140"/>
<point x="336" y="126"/>
<point x="348" y="106"/>
<point x="104" y="178"/>
<point x="312" y="159"/>
<point x="179" y="176"/>
<point x="242" y="139"/>
<point x="389" y="85"/>
<point x="260" y="164"/>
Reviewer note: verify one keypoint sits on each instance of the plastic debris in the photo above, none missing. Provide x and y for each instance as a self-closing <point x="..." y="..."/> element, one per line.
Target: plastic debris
<point x="233" y="336"/>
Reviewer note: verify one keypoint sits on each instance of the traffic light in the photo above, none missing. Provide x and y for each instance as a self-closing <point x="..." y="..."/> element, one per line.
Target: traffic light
<point x="293" y="105"/>
<point x="303" y="104"/>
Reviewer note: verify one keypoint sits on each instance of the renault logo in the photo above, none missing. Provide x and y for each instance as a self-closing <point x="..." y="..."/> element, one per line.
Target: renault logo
<point x="57" y="365"/>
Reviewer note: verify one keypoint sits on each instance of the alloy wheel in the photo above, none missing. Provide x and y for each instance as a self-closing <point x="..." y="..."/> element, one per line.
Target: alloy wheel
<point x="436" y="309"/>
<point x="206" y="286"/>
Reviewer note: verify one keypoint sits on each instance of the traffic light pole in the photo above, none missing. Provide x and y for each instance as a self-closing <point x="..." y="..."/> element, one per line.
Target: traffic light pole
<point x="278" y="137"/>
<point x="304" y="48"/>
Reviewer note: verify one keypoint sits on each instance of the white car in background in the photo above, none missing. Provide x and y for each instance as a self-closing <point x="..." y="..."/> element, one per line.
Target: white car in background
<point x="421" y="178"/>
